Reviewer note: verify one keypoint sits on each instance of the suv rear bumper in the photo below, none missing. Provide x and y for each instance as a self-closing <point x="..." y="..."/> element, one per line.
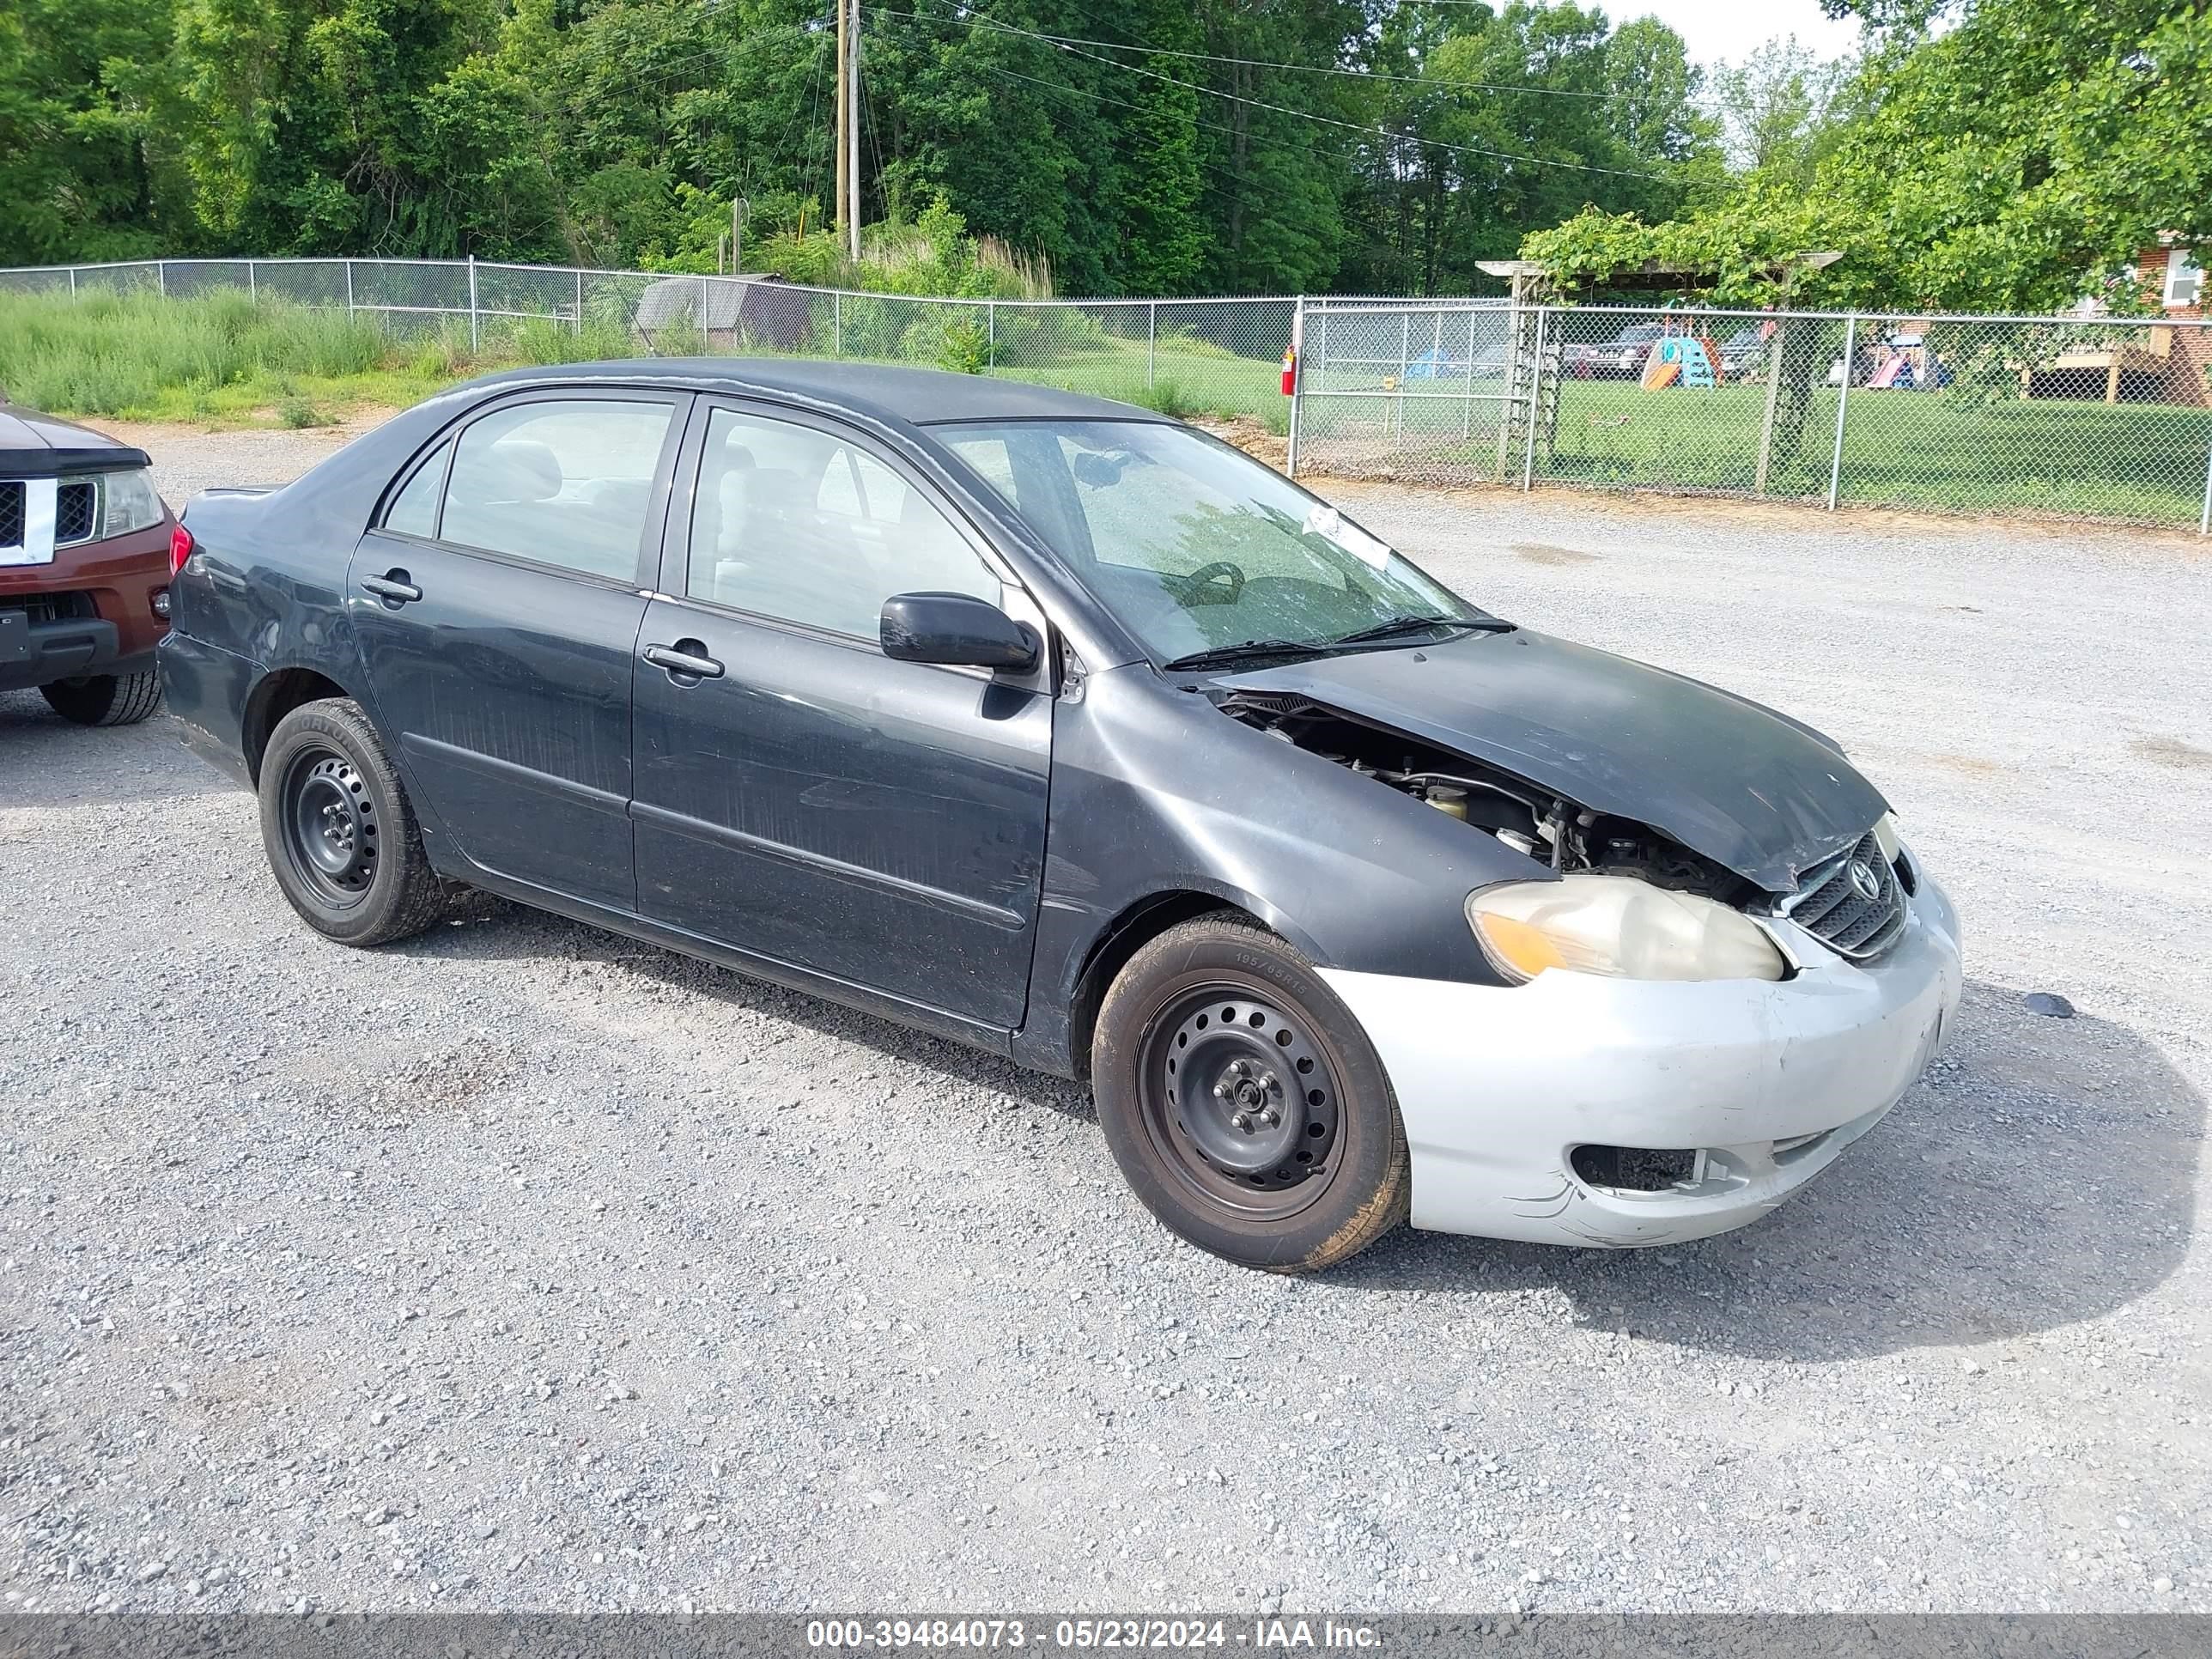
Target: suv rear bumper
<point x="119" y="578"/>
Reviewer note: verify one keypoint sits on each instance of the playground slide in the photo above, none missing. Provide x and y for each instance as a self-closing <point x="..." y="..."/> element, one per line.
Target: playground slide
<point x="1690" y="361"/>
<point x="1886" y="376"/>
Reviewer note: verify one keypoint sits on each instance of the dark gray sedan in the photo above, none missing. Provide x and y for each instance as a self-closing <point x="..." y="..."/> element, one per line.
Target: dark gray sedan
<point x="1061" y="728"/>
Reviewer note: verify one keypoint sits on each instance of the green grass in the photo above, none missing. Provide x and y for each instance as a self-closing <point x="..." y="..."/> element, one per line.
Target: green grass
<point x="224" y="359"/>
<point x="1177" y="377"/>
<point x="1900" y="448"/>
<point x="221" y="359"/>
<point x="1944" y="453"/>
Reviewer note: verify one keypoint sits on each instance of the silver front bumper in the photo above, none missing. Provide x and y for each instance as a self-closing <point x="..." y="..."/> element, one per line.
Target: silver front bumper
<point x="1770" y="1081"/>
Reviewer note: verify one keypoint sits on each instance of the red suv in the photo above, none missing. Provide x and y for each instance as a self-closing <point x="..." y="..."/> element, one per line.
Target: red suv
<point x="84" y="569"/>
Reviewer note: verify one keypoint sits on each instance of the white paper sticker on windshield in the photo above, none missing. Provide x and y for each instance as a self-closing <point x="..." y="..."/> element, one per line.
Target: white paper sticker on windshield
<point x="1326" y="521"/>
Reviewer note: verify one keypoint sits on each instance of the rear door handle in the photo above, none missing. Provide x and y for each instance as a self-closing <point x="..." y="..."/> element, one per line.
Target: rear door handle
<point x="393" y="588"/>
<point x="686" y="659"/>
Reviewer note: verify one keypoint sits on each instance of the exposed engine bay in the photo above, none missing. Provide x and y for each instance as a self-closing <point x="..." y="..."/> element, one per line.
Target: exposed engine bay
<point x="1556" y="832"/>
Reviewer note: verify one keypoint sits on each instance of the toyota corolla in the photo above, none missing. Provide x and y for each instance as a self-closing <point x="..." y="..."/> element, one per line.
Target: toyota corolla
<point x="1058" y="727"/>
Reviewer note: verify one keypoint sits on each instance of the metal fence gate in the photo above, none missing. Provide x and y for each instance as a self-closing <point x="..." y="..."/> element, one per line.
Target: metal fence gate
<point x="1406" y="388"/>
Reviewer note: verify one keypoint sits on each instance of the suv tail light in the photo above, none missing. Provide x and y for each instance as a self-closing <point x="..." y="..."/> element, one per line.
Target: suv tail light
<point x="180" y="548"/>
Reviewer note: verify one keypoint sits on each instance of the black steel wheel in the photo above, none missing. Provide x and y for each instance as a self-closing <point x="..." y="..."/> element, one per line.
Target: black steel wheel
<point x="1241" y="1099"/>
<point x="330" y="825"/>
<point x="342" y="839"/>
<point x="1244" y="1102"/>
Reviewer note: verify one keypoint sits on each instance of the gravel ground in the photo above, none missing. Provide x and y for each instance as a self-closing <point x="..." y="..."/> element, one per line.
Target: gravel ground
<point x="522" y="1266"/>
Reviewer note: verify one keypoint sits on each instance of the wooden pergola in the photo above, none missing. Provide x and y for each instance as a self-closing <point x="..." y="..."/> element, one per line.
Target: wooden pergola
<point x="1531" y="279"/>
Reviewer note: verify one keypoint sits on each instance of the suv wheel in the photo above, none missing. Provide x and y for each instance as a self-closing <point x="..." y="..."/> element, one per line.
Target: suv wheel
<point x="1244" y="1102"/>
<point x="340" y="835"/>
<point x="105" y="699"/>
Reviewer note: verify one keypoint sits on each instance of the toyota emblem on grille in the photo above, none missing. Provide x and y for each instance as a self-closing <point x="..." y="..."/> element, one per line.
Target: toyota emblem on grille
<point x="1865" y="881"/>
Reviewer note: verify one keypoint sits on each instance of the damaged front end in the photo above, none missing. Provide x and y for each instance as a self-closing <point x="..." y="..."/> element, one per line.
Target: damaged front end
<point x="1551" y="827"/>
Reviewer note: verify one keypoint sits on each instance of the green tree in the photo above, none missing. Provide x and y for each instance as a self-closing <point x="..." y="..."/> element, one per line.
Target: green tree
<point x="82" y="173"/>
<point x="2013" y="161"/>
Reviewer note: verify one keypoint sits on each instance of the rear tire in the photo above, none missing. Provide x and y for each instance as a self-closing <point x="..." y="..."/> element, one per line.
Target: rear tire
<point x="341" y="837"/>
<point x="1244" y="1102"/>
<point x="105" y="699"/>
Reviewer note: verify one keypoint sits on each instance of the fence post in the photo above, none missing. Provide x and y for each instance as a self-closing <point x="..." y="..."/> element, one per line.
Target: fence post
<point x="1152" y="340"/>
<point x="252" y="285"/>
<point x="72" y="282"/>
<point x="349" y="265"/>
<point x="991" y="333"/>
<point x="162" y="278"/>
<point x="1297" y="380"/>
<point x="1397" y="402"/>
<point x="1536" y="390"/>
<point x="1773" y="400"/>
<point x="1466" y="412"/>
<point x="2204" y="519"/>
<point x="837" y="323"/>
<point x="475" y="338"/>
<point x="579" y="301"/>
<point x="1842" y="403"/>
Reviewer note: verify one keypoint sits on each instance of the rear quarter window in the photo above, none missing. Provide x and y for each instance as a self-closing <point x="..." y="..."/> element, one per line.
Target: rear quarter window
<point x="415" y="512"/>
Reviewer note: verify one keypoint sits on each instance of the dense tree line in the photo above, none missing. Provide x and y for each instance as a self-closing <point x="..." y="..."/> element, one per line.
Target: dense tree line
<point x="1156" y="146"/>
<point x="1976" y="152"/>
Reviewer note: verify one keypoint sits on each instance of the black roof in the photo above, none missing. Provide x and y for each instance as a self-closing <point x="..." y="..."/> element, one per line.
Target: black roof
<point x="918" y="396"/>
<point x="35" y="446"/>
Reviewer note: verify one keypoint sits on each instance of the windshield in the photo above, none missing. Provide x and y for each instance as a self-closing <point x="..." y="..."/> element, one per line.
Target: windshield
<point x="1195" y="545"/>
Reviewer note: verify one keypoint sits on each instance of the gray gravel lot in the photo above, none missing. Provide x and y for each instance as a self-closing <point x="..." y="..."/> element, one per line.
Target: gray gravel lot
<point x="520" y="1265"/>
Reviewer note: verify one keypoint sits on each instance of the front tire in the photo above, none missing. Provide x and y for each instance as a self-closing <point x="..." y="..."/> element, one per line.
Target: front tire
<point x="1244" y="1104"/>
<point x="105" y="699"/>
<point x="341" y="838"/>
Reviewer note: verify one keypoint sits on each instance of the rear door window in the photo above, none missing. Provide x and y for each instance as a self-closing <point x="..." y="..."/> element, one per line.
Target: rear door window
<point x="560" y="481"/>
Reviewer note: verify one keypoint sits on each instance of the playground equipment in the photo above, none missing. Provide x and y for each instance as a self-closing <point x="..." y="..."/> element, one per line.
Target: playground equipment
<point x="1680" y="359"/>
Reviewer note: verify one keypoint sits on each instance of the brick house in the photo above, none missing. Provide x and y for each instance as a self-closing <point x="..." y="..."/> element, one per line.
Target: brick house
<point x="2174" y="282"/>
<point x="2144" y="365"/>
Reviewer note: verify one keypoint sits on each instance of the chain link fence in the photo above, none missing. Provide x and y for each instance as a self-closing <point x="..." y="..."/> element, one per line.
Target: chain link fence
<point x="2051" y="417"/>
<point x="1185" y="356"/>
<point x="2028" y="417"/>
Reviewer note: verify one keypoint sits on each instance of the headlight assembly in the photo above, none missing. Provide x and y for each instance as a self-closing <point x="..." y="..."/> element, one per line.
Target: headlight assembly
<point x="128" y="503"/>
<point x="1618" y="926"/>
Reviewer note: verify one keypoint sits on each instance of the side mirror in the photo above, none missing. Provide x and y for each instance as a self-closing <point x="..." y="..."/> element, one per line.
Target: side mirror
<point x="957" y="630"/>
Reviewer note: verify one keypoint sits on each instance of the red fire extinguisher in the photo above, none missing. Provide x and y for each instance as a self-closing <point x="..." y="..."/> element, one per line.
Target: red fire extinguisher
<point x="1290" y="371"/>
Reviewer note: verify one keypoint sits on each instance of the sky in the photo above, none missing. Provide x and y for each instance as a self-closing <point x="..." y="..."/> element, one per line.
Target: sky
<point x="1726" y="30"/>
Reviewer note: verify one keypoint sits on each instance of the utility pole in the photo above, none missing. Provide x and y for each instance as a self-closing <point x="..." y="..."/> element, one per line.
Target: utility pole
<point x="844" y="182"/>
<point x="853" y="133"/>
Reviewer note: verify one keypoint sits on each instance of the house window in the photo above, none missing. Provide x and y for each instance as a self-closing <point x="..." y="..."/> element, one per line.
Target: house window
<point x="2184" y="281"/>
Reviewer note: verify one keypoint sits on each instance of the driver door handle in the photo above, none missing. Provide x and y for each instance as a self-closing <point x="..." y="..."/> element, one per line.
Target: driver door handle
<point x="393" y="588"/>
<point x="686" y="657"/>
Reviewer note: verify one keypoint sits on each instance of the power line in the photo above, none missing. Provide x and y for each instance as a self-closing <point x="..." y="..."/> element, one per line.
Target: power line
<point x="1383" y="133"/>
<point x="1331" y="69"/>
<point x="1437" y="82"/>
<point x="1211" y="127"/>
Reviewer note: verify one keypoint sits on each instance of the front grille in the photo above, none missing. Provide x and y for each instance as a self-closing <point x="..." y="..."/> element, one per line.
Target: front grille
<point x="76" y="512"/>
<point x="11" y="513"/>
<point x="1833" y="905"/>
<point x="43" y="608"/>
